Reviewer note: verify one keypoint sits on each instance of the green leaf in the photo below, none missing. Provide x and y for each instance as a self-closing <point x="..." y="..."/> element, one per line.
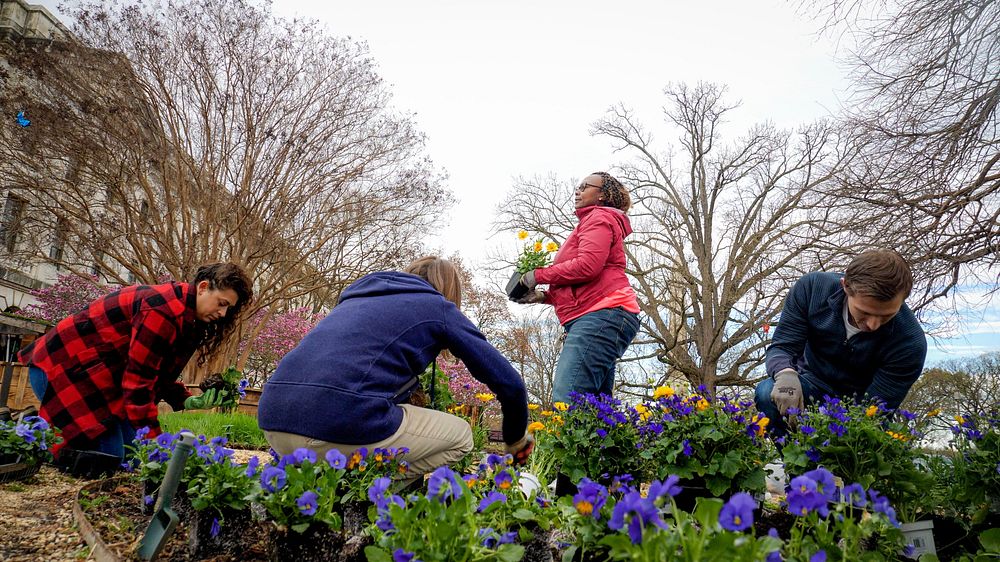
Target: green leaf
<point x="510" y="552"/>
<point x="300" y="528"/>
<point x="706" y="513"/>
<point x="376" y="554"/>
<point x="990" y="540"/>
<point x="524" y="514"/>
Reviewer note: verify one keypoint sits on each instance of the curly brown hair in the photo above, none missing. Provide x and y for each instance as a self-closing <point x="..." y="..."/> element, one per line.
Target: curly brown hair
<point x="221" y="276"/>
<point x="615" y="194"/>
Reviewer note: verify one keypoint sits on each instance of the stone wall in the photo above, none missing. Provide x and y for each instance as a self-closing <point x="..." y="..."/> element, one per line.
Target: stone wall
<point x="20" y="19"/>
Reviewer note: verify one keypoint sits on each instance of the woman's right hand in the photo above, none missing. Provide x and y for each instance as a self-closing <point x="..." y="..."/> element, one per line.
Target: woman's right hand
<point x="533" y="297"/>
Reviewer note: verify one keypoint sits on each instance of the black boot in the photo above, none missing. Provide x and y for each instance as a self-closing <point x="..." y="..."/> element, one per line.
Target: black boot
<point x="88" y="464"/>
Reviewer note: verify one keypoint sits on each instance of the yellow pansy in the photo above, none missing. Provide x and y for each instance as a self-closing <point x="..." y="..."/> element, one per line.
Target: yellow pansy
<point x="561" y="406"/>
<point x="538" y="246"/>
<point x="485" y="396"/>
<point x="535" y="426"/>
<point x="551" y="247"/>
<point x="546" y="413"/>
<point x="522" y="235"/>
<point x="643" y="411"/>
<point x="960" y="420"/>
<point x="762" y="422"/>
<point x="934" y="412"/>
<point x="557" y="419"/>
<point x="533" y="406"/>
<point x="701" y="404"/>
<point x="871" y="411"/>
<point x="662" y="392"/>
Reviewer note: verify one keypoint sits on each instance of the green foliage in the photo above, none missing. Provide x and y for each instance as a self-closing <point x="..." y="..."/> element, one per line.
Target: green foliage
<point x="716" y="441"/>
<point x="974" y="476"/>
<point x="29" y="439"/>
<point x="863" y="444"/>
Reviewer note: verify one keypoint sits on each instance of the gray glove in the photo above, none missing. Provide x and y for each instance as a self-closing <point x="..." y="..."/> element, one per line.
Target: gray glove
<point x="534" y="297"/>
<point x="787" y="391"/>
<point x="528" y="280"/>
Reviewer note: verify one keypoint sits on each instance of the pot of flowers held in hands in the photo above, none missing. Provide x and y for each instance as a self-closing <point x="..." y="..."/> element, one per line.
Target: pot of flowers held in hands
<point x="229" y="385"/>
<point x="534" y="255"/>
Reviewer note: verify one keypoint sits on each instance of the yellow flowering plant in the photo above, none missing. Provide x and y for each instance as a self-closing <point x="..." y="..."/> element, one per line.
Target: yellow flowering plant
<point x="535" y="253"/>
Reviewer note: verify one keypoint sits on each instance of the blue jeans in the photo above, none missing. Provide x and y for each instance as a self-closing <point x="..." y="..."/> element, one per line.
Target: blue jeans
<point x="594" y="342"/>
<point x="812" y="391"/>
<point x="119" y="432"/>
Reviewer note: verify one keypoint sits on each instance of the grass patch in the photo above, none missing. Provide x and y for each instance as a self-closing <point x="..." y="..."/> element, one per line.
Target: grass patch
<point x="241" y="429"/>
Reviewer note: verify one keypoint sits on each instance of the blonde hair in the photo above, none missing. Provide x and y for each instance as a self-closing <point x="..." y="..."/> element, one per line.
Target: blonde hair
<point x="441" y="274"/>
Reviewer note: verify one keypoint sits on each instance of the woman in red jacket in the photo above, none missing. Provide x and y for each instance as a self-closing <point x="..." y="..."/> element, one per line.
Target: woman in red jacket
<point x="588" y="288"/>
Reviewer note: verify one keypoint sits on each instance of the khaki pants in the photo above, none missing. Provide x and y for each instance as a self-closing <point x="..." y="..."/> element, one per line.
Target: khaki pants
<point x="434" y="439"/>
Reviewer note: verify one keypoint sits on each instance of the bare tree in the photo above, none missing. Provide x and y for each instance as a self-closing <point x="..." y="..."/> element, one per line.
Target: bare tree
<point x="172" y="134"/>
<point x="927" y="87"/>
<point x="532" y="344"/>
<point x="720" y="232"/>
<point x="957" y="388"/>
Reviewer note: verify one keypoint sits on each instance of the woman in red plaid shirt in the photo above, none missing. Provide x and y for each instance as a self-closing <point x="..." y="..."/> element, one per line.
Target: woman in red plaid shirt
<point x="100" y="373"/>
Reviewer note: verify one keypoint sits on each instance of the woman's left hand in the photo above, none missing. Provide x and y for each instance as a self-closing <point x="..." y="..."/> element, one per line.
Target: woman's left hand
<point x="534" y="297"/>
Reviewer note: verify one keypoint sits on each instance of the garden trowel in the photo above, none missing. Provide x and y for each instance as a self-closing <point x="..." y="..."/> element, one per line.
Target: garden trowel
<point x="165" y="519"/>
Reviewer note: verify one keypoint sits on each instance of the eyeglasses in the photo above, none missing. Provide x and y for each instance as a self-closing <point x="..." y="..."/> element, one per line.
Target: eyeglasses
<point x="583" y="187"/>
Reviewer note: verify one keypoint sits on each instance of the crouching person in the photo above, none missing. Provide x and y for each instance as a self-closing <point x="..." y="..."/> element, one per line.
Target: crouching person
<point x="345" y="386"/>
<point x="100" y="373"/>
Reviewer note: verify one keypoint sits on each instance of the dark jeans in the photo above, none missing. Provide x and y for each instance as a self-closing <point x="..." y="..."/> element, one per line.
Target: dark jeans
<point x="812" y="391"/>
<point x="113" y="441"/>
<point x="594" y="342"/>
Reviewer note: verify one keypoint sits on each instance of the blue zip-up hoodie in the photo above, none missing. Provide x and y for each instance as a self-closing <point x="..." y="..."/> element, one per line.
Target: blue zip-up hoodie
<point x="338" y="384"/>
<point x="811" y="337"/>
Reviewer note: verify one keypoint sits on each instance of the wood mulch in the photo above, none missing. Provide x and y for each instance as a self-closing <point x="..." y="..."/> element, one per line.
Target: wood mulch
<point x="36" y="519"/>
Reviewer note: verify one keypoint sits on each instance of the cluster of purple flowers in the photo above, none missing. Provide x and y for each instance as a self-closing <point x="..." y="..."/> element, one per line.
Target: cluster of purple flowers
<point x="33" y="430"/>
<point x="816" y="490"/>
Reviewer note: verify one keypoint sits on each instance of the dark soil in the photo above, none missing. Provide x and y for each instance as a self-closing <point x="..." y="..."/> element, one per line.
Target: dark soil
<point x="116" y="515"/>
<point x="213" y="381"/>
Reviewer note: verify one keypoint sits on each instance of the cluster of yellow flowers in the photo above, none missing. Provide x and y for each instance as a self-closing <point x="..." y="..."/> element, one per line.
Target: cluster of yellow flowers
<point x="485" y="396"/>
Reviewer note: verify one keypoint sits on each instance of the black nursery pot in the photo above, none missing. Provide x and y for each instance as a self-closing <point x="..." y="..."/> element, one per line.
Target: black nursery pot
<point x="565" y="486"/>
<point x="515" y="289"/>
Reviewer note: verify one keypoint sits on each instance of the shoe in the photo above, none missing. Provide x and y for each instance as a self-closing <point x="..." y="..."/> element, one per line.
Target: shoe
<point x="87" y="464"/>
<point x="29" y="411"/>
<point x="4" y="414"/>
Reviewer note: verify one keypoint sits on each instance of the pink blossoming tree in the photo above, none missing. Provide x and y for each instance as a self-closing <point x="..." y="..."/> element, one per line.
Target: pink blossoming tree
<point x="276" y="335"/>
<point x="67" y="296"/>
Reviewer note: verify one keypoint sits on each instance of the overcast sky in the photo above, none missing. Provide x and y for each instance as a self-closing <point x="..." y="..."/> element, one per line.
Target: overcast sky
<point x="510" y="88"/>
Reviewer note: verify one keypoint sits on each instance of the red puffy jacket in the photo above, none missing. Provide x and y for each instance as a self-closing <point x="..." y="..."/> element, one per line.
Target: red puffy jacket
<point x="590" y="265"/>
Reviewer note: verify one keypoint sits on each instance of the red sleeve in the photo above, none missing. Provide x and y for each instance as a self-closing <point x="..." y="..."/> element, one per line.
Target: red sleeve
<point x="594" y="246"/>
<point x="153" y="338"/>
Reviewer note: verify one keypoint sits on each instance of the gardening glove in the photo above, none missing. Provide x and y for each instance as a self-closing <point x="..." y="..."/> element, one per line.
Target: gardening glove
<point x="787" y="391"/>
<point x="209" y="399"/>
<point x="533" y="297"/>
<point x="528" y="280"/>
<point x="522" y="449"/>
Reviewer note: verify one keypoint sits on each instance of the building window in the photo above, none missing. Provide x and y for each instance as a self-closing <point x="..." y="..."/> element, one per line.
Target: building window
<point x="58" y="242"/>
<point x="13" y="213"/>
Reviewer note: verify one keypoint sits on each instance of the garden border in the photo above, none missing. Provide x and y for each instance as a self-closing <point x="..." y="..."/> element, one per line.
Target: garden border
<point x="98" y="549"/>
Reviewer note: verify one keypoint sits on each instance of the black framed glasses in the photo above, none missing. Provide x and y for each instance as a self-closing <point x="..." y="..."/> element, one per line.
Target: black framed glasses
<point x="583" y="187"/>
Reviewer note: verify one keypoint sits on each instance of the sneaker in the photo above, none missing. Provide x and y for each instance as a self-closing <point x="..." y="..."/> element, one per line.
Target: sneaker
<point x="4" y="414"/>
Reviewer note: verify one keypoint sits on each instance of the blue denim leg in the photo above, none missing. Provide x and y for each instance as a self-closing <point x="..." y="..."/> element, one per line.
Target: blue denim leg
<point x="39" y="382"/>
<point x="594" y="342"/>
<point x="812" y="391"/>
<point x="113" y="441"/>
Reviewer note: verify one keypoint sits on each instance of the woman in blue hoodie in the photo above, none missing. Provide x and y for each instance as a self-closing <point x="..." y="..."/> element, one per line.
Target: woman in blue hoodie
<point x="345" y="385"/>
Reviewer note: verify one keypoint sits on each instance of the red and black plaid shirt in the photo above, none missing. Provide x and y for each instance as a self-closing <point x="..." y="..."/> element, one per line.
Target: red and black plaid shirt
<point x="117" y="358"/>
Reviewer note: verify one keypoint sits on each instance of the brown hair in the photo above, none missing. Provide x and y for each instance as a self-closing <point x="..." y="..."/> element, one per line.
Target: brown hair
<point x="441" y="274"/>
<point x="221" y="276"/>
<point x="615" y="194"/>
<point x="880" y="274"/>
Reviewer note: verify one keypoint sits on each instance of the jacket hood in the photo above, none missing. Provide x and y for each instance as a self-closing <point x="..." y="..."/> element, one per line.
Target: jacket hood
<point x="387" y="283"/>
<point x="616" y="215"/>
